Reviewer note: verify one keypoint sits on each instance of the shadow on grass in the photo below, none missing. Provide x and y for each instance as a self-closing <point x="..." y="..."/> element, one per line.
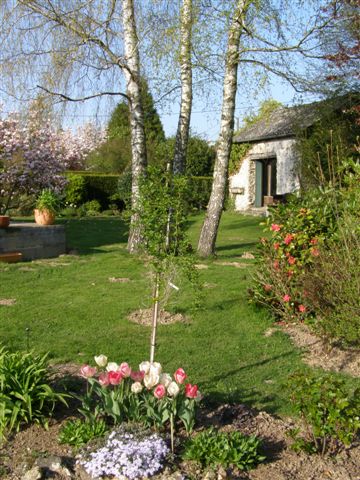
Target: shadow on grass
<point x="85" y="234"/>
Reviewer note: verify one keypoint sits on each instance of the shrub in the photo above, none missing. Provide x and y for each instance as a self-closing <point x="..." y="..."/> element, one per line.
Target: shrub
<point x="232" y="449"/>
<point x="75" y="189"/>
<point x="198" y="192"/>
<point x="333" y="286"/>
<point x="91" y="208"/>
<point x="329" y="411"/>
<point x="79" y="432"/>
<point x="25" y="392"/>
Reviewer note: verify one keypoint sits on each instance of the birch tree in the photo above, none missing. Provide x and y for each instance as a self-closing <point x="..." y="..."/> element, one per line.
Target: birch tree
<point x="216" y="203"/>
<point x="182" y="135"/>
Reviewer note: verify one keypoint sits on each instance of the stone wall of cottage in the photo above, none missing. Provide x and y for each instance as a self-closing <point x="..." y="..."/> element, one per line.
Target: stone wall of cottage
<point x="242" y="184"/>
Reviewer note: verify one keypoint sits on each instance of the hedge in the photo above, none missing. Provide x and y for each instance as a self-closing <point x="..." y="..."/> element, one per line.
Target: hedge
<point x="86" y="186"/>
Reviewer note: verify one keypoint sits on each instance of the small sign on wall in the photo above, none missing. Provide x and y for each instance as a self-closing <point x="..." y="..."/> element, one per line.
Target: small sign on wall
<point x="237" y="190"/>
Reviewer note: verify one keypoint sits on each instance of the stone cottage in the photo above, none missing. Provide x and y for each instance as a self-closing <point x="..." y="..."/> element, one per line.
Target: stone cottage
<point x="268" y="170"/>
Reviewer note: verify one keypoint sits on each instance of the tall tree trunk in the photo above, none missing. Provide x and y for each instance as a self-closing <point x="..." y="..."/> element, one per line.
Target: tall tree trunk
<point x="138" y="142"/>
<point x="182" y="134"/>
<point x="210" y="226"/>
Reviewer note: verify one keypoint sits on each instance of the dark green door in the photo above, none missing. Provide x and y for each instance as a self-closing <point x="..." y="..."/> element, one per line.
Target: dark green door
<point x="258" y="183"/>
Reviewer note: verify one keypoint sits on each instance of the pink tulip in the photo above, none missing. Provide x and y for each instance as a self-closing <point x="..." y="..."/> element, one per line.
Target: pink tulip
<point x="104" y="379"/>
<point x="275" y="227"/>
<point x="160" y="391"/>
<point x="286" y="298"/>
<point x="180" y="375"/>
<point x="125" y="369"/>
<point x="114" y="377"/>
<point x="302" y="308"/>
<point x="137" y="376"/>
<point x="87" y="371"/>
<point x="191" y="391"/>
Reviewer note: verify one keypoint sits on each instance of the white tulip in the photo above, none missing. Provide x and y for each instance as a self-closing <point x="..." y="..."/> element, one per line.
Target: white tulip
<point x="144" y="367"/>
<point x="101" y="360"/>
<point x="136" y="387"/>
<point x="165" y="379"/>
<point x="173" y="389"/>
<point x="151" y="379"/>
<point x="112" y="367"/>
<point x="157" y="367"/>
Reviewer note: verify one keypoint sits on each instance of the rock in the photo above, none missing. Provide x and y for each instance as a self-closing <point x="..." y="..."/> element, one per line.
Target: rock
<point x="210" y="475"/>
<point x="53" y="464"/>
<point x="33" y="474"/>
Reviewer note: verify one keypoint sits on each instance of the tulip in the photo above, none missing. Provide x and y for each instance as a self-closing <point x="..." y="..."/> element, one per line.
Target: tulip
<point x="173" y="389"/>
<point x="125" y="369"/>
<point x="137" y="376"/>
<point x="144" y="367"/>
<point x="151" y="379"/>
<point x="160" y="391"/>
<point x="286" y="298"/>
<point x="191" y="391"/>
<point x="275" y="227"/>
<point x="104" y="379"/>
<point x="165" y="379"/>
<point x="136" y="387"/>
<point x="101" y="360"/>
<point x="87" y="371"/>
<point x="114" y="377"/>
<point x="302" y="308"/>
<point x="180" y="375"/>
<point x="112" y="367"/>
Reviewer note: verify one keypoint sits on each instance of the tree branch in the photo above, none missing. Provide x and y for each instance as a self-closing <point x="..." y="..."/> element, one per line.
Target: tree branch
<point x="82" y="99"/>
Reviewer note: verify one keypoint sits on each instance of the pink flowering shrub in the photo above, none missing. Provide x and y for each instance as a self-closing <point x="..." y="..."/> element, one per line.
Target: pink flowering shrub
<point x="147" y="395"/>
<point x="297" y="232"/>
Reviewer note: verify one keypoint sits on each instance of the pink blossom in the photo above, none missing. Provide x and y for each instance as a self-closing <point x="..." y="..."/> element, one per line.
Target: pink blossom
<point x="104" y="379"/>
<point x="302" y="308"/>
<point x="87" y="371"/>
<point x="314" y="241"/>
<point x="286" y="298"/>
<point x="160" y="391"/>
<point x="276" y="245"/>
<point x="137" y="376"/>
<point x="125" y="369"/>
<point x="114" y="377"/>
<point x="315" y="252"/>
<point x="275" y="227"/>
<point x="180" y="375"/>
<point x="288" y="238"/>
<point x="191" y="391"/>
<point x="276" y="264"/>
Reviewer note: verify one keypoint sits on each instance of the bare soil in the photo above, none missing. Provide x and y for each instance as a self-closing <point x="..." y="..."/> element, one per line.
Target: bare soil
<point x="145" y="316"/>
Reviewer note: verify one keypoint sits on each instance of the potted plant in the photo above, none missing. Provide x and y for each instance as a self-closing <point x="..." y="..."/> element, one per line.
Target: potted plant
<point x="46" y="207"/>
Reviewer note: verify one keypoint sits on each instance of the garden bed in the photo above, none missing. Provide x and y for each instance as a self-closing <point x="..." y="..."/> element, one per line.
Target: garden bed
<point x="25" y="449"/>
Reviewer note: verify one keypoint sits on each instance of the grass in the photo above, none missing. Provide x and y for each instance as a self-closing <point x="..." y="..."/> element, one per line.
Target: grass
<point x="68" y="306"/>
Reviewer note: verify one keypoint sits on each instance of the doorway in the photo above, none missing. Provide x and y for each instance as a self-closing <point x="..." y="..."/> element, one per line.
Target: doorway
<point x="265" y="181"/>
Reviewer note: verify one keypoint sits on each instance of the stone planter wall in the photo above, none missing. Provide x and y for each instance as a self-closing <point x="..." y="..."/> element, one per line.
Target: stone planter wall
<point x="33" y="241"/>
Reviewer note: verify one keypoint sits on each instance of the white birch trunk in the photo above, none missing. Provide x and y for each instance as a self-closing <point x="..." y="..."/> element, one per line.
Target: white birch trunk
<point x="210" y="226"/>
<point x="138" y="142"/>
<point x="182" y="134"/>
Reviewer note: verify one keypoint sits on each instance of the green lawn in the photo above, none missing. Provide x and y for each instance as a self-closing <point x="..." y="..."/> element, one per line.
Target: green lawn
<point x="72" y="310"/>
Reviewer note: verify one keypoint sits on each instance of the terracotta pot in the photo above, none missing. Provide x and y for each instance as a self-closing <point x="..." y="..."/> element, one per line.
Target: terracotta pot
<point x="11" y="257"/>
<point x="4" y="221"/>
<point x="44" y="217"/>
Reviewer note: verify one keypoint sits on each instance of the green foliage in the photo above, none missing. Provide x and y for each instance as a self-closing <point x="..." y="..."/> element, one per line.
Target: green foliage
<point x="25" y="392"/>
<point x="237" y="154"/>
<point x="79" y="432"/>
<point x="115" y="154"/>
<point x="200" y="156"/>
<point x="266" y="108"/>
<point x="198" y="192"/>
<point x="232" y="449"/>
<point x="75" y="189"/>
<point x="47" y="200"/>
<point x="91" y="208"/>
<point x="329" y="143"/>
<point x="329" y="411"/>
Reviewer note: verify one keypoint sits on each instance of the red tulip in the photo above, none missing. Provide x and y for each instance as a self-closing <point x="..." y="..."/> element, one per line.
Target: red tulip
<point x="160" y="391"/>
<point x="114" y="377"/>
<point x="191" y="391"/>
<point x="180" y="375"/>
<point x="137" y="376"/>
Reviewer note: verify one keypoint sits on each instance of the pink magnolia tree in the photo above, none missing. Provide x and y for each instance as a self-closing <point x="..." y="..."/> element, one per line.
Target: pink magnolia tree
<point x="34" y="156"/>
